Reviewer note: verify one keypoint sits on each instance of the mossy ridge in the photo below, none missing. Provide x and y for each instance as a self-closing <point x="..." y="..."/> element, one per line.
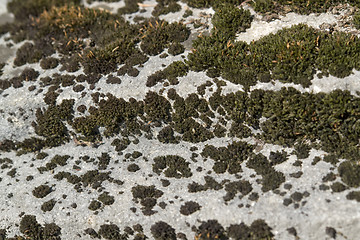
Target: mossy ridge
<point x="300" y="6"/>
<point x="157" y="34"/>
<point x="23" y="9"/>
<point x="92" y="37"/>
<point x="291" y="55"/>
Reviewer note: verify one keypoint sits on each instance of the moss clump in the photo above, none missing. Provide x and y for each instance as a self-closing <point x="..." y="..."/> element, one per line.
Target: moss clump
<point x="271" y="179"/>
<point x="353" y="195"/>
<point x="33" y="230"/>
<point x="291" y="55"/>
<point x="148" y="197"/>
<point x="48" y="206"/>
<point x="189" y="208"/>
<point x="157" y="34"/>
<point x="171" y="72"/>
<point x="172" y="166"/>
<point x="49" y="63"/>
<point x="231" y="20"/>
<point x="42" y="191"/>
<point x="106" y="199"/>
<point x="162" y="231"/>
<point x="166" y="135"/>
<point x="301" y="6"/>
<point x="27" y="53"/>
<point x="165" y="7"/>
<point x="277" y="157"/>
<point x="244" y="187"/>
<point x="24" y="9"/>
<point x="210" y="229"/>
<point x="157" y="108"/>
<point x="350" y="173"/>
<point x="228" y="159"/>
<point x="94" y="205"/>
<point x="111" y="231"/>
<point x="210" y="183"/>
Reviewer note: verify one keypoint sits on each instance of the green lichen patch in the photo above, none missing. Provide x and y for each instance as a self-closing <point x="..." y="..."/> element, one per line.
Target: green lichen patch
<point x="172" y="166"/>
<point x="228" y="159"/>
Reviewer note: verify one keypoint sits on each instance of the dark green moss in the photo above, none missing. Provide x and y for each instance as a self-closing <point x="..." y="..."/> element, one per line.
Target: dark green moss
<point x="210" y="229"/>
<point x="11" y="173"/>
<point x="48" y="205"/>
<point x="350" y="173"/>
<point x="172" y="166"/>
<point x="131" y="6"/>
<point x="271" y="179"/>
<point x="210" y="183"/>
<point x="106" y="199"/>
<point x="228" y="158"/>
<point x="356" y="20"/>
<point x="94" y="178"/>
<point x="189" y="208"/>
<point x="231" y="20"/>
<point x="232" y="188"/>
<point x="157" y="34"/>
<point x="302" y="151"/>
<point x="353" y="195"/>
<point x="301" y="6"/>
<point x="111" y="232"/>
<point x="166" y="135"/>
<point x="288" y="61"/>
<point x="157" y="107"/>
<point x="49" y="63"/>
<point x="104" y="161"/>
<point x="133" y="167"/>
<point x="165" y="7"/>
<point x="176" y="49"/>
<point x="42" y="191"/>
<point x="33" y="230"/>
<point x="277" y="157"/>
<point x="94" y="205"/>
<point x="338" y="187"/>
<point x="331" y="158"/>
<point x="148" y="197"/>
<point x="162" y="231"/>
